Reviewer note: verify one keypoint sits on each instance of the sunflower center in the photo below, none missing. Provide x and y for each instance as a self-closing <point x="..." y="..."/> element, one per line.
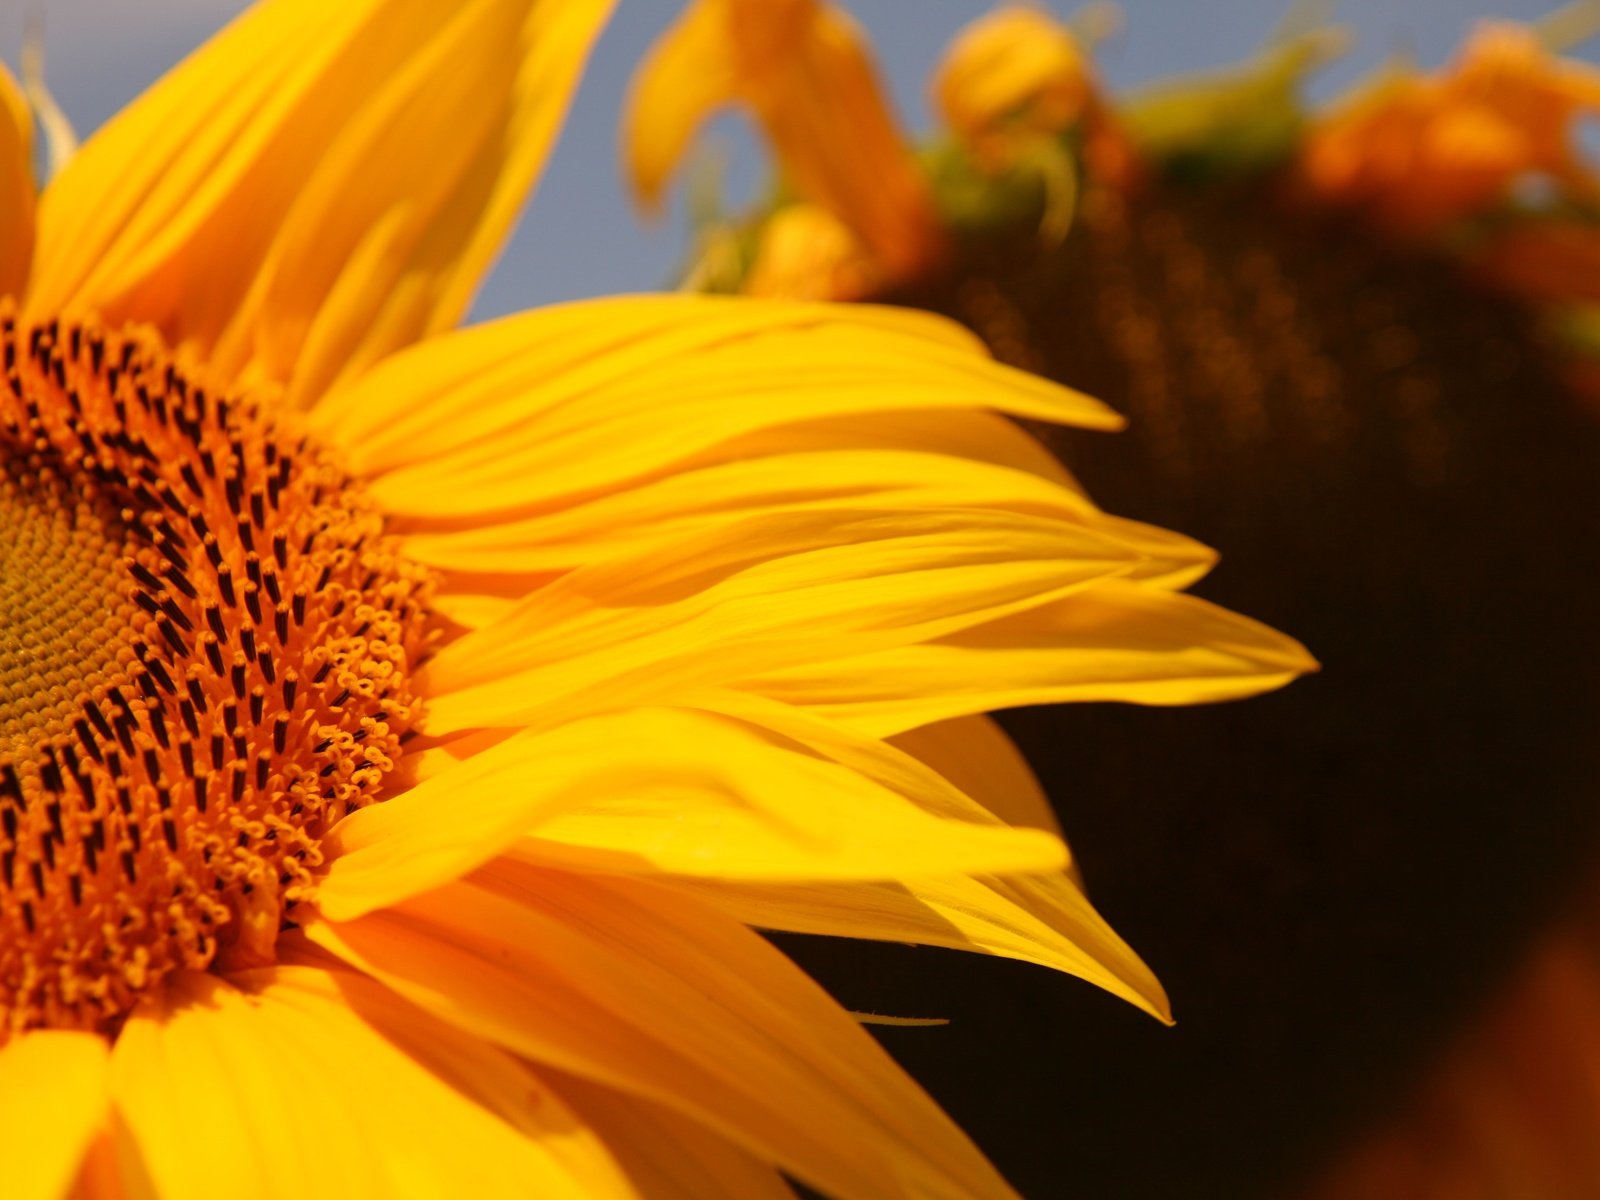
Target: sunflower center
<point x="60" y="606"/>
<point x="205" y="653"/>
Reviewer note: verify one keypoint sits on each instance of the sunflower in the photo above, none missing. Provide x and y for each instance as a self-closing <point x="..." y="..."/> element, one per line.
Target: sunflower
<point x="1357" y="345"/>
<point x="403" y="728"/>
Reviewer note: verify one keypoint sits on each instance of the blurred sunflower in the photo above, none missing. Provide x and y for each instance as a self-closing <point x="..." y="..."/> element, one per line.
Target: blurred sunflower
<point x="645" y="620"/>
<point x="1357" y="345"/>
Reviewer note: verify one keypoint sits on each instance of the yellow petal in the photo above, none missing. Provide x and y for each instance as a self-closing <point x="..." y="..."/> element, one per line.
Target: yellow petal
<point x="16" y="186"/>
<point x="669" y="1157"/>
<point x="803" y="69"/>
<point x="113" y="1168"/>
<point x="754" y="597"/>
<point x="975" y="755"/>
<point x="580" y="398"/>
<point x="1016" y="68"/>
<point x="397" y="849"/>
<point x="689" y="73"/>
<point x="1038" y="919"/>
<point x="698" y="794"/>
<point x="972" y="434"/>
<point x="1115" y="641"/>
<point x="804" y="252"/>
<point x="306" y="1083"/>
<point x="318" y="185"/>
<point x="668" y="791"/>
<point x="52" y="1102"/>
<point x="690" y="503"/>
<point x="653" y="994"/>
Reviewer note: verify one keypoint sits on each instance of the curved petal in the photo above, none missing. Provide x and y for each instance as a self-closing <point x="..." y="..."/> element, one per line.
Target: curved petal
<point x="667" y="1156"/>
<point x="1114" y="641"/>
<point x="757" y="597"/>
<point x="1045" y="920"/>
<point x="318" y="185"/>
<point x="694" y="504"/>
<point x="656" y="995"/>
<point x="306" y="1083"/>
<point x="831" y="878"/>
<point x="671" y="791"/>
<point x="688" y="74"/>
<point x="113" y="1168"/>
<point x="719" y="798"/>
<point x="53" y="1100"/>
<point x="16" y="186"/>
<point x="803" y="69"/>
<point x="579" y="398"/>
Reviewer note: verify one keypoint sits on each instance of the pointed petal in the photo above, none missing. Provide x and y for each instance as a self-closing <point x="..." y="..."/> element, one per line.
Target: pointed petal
<point x="670" y="791"/>
<point x="1116" y="641"/>
<point x="809" y="77"/>
<point x="581" y="398"/>
<point x="16" y="186"/>
<point x="52" y="1102"/>
<point x="689" y="73"/>
<point x="113" y="1168"/>
<point x="1038" y="919"/>
<point x="311" y="1080"/>
<point x="669" y="1157"/>
<point x="660" y="997"/>
<point x="803" y="69"/>
<point x="757" y="597"/>
<point x="690" y="503"/>
<point x="318" y="185"/>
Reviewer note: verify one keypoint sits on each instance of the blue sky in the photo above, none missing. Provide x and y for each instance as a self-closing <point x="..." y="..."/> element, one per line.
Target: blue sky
<point x="580" y="237"/>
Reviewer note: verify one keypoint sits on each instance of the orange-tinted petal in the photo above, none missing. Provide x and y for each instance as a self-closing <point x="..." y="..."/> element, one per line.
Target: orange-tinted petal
<point x="667" y="1156"/>
<point x="16" y="186"/>
<point x="803" y="69"/>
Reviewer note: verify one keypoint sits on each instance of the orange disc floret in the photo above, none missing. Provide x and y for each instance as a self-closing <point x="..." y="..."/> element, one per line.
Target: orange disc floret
<point x="206" y="660"/>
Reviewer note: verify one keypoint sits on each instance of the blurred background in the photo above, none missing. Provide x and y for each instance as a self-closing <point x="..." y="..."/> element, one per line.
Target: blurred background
<point x="581" y="237"/>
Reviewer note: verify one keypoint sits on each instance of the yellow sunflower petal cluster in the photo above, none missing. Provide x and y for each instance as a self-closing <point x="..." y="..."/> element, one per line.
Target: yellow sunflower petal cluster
<point x="453" y="703"/>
